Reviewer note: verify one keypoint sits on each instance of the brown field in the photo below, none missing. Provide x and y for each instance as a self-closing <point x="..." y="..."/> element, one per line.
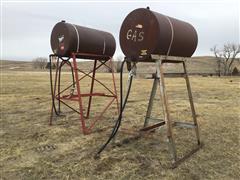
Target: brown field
<point x="31" y="149"/>
<point x="198" y="64"/>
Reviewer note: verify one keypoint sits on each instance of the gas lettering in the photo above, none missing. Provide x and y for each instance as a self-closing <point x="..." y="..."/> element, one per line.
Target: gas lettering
<point x="141" y="36"/>
<point x="135" y="35"/>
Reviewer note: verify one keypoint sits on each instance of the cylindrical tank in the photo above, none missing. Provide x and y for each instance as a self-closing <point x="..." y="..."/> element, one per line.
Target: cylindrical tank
<point x="145" y="32"/>
<point x="68" y="38"/>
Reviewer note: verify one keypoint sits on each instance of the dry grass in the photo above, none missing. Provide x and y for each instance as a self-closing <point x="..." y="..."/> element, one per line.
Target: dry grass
<point x="30" y="149"/>
<point x="199" y="64"/>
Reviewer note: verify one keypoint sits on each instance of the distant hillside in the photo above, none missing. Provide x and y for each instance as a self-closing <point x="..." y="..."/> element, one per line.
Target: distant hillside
<point x="16" y="65"/>
<point x="204" y="64"/>
<point x="199" y="64"/>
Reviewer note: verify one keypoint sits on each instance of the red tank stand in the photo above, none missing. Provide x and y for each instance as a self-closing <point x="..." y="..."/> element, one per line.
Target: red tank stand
<point x="62" y="97"/>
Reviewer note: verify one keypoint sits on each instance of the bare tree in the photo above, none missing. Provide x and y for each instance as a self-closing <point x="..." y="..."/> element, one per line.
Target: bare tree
<point x="218" y="56"/>
<point x="40" y="63"/>
<point x="226" y="57"/>
<point x="52" y="65"/>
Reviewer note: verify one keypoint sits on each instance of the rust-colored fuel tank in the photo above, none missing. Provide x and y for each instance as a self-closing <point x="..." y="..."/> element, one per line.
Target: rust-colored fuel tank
<point x="68" y="38"/>
<point x="145" y="32"/>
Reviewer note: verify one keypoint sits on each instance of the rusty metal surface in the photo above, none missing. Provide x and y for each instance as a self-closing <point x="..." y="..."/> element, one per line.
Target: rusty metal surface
<point x="153" y="126"/>
<point x="145" y="32"/>
<point x="68" y="38"/>
<point x="63" y="96"/>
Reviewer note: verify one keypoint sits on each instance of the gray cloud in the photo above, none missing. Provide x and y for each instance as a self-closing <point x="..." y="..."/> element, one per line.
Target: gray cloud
<point x="27" y="26"/>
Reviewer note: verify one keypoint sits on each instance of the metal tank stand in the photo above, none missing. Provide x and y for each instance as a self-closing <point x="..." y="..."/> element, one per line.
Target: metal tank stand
<point x="74" y="89"/>
<point x="159" y="82"/>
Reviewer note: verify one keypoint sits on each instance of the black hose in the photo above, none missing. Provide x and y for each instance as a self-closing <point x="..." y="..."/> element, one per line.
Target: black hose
<point x="51" y="84"/>
<point x="122" y="106"/>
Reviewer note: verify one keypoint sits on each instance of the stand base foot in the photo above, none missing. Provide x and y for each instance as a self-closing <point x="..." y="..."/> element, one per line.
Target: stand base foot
<point x="186" y="156"/>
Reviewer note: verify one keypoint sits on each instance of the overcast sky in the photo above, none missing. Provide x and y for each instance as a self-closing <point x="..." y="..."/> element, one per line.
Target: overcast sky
<point x="26" y="27"/>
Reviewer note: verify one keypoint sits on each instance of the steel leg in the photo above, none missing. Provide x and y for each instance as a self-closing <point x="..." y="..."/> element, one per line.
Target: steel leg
<point x="52" y="107"/>
<point x="59" y="84"/>
<point x="91" y="90"/>
<point x="79" y="94"/>
<point x="160" y="74"/>
<point x="191" y="103"/>
<point x="54" y="93"/>
<point x="150" y="103"/>
<point x="114" y="85"/>
<point x="56" y="80"/>
<point x="70" y="65"/>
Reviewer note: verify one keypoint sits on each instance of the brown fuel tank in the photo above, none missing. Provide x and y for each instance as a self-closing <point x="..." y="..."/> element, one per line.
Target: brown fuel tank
<point x="145" y="32"/>
<point x="68" y="38"/>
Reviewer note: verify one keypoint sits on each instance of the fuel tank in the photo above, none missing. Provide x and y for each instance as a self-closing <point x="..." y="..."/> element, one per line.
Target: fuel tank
<point x="67" y="38"/>
<point x="145" y="32"/>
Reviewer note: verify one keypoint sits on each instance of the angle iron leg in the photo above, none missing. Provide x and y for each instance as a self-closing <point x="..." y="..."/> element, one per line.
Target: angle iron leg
<point x="52" y="107"/>
<point x="70" y="65"/>
<point x="91" y="90"/>
<point x="159" y="66"/>
<point x="150" y="103"/>
<point x="54" y="92"/>
<point x="200" y="145"/>
<point x="114" y="85"/>
<point x="59" y="83"/>
<point x="79" y="94"/>
<point x="191" y="103"/>
<point x="56" y="79"/>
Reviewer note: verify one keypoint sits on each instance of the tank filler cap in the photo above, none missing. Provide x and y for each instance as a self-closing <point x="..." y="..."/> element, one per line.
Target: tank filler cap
<point x="63" y="21"/>
<point x="148" y="7"/>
